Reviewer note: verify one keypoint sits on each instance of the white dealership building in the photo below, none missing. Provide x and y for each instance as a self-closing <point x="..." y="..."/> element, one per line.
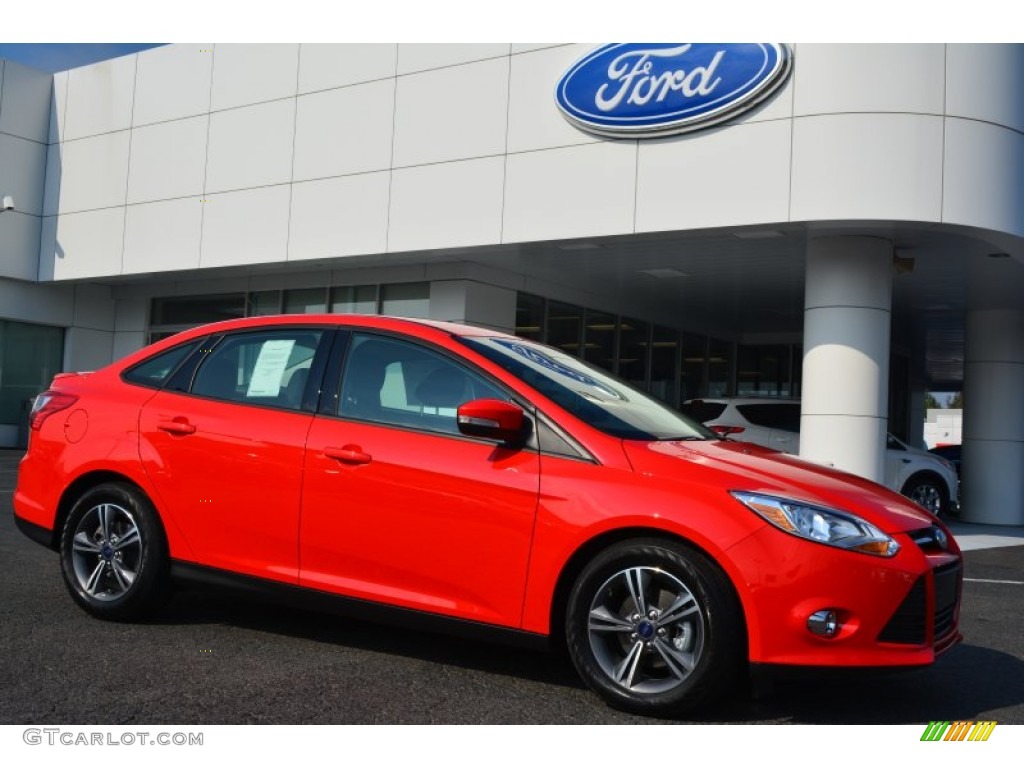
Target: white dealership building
<point x="850" y="233"/>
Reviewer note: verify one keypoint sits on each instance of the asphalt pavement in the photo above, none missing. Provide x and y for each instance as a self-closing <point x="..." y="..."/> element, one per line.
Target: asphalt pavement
<point x="215" y="659"/>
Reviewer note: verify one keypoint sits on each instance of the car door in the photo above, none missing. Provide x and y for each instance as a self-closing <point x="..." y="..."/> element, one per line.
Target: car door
<point x="401" y="508"/>
<point x="224" y="448"/>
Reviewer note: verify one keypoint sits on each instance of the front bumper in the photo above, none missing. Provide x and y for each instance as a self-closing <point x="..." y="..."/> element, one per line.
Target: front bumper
<point x="893" y="612"/>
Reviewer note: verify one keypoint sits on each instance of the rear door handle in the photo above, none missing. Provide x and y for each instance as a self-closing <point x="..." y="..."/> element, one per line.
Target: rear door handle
<point x="177" y="426"/>
<point x="349" y="454"/>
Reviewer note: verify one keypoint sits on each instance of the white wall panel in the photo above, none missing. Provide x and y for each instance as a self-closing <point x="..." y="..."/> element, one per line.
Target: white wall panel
<point x="94" y="307"/>
<point x="47" y="248"/>
<point x="345" y="130"/>
<point x="100" y="98"/>
<point x="51" y="185"/>
<point x="93" y="172"/>
<point x="173" y="81"/>
<point x="251" y="146"/>
<point x="869" y="78"/>
<point x="983" y="177"/>
<point x="534" y="120"/>
<point x="524" y="47"/>
<point x="126" y="342"/>
<point x="58" y="102"/>
<point x="86" y="349"/>
<point x="19" y="254"/>
<point x="339" y="217"/>
<point x="326" y="65"/>
<point x="247" y="227"/>
<point x="89" y="244"/>
<point x="25" y="102"/>
<point x="416" y="57"/>
<point x="33" y="303"/>
<point x="731" y="176"/>
<point x="984" y="82"/>
<point x="250" y="73"/>
<point x="446" y="205"/>
<point x="570" y="192"/>
<point x="23" y="172"/>
<point x="867" y="167"/>
<point x="167" y="160"/>
<point x="451" y="114"/>
<point x="163" y="236"/>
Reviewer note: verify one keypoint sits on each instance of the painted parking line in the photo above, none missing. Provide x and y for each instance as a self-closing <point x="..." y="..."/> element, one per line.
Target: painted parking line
<point x="996" y="581"/>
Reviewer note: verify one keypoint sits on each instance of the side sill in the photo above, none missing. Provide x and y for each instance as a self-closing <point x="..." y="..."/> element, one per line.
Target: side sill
<point x="37" y="533"/>
<point x="193" y="575"/>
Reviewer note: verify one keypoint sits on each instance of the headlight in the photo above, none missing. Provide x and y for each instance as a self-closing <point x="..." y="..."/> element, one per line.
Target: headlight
<point x="825" y="526"/>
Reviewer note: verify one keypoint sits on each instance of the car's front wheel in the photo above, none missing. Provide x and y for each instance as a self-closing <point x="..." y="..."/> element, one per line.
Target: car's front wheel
<point x="927" y="491"/>
<point x="654" y="627"/>
<point x="114" y="553"/>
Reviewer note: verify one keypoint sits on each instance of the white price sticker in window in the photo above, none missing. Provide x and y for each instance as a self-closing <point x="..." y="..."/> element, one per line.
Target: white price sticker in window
<point x="270" y="367"/>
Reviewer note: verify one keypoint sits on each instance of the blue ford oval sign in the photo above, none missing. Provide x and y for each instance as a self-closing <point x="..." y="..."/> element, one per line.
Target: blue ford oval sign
<point x="653" y="89"/>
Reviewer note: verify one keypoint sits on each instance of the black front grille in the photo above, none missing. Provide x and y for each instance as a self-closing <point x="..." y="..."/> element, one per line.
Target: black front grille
<point x="947" y="591"/>
<point x="907" y="624"/>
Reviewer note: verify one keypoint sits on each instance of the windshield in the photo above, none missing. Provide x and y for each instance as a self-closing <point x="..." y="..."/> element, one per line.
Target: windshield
<point x="589" y="394"/>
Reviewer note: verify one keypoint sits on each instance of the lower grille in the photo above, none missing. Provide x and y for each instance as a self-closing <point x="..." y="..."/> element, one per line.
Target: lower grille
<point x="908" y="623"/>
<point x="947" y="590"/>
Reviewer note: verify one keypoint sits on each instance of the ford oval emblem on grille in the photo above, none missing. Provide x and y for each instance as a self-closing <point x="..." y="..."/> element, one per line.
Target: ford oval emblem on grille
<point x="941" y="539"/>
<point x="653" y="89"/>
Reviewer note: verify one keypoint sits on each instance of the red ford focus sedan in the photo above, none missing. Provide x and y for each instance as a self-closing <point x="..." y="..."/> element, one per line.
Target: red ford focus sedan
<point x="459" y="479"/>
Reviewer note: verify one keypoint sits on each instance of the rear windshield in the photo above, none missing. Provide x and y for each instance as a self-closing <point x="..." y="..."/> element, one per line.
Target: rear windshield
<point x="588" y="393"/>
<point x="702" y="411"/>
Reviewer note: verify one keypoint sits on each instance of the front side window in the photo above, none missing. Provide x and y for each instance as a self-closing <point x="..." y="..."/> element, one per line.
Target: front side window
<point x="267" y="368"/>
<point x="586" y="392"/>
<point x="390" y="381"/>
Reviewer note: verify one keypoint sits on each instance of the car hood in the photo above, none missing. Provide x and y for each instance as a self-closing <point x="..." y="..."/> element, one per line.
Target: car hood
<point x="747" y="467"/>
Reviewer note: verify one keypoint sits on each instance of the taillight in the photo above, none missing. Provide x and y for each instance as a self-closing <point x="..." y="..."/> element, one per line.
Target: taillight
<point x="724" y="430"/>
<point x="47" y="404"/>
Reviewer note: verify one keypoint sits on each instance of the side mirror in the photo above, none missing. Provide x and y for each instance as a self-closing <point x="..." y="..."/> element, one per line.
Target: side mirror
<point x="492" y="419"/>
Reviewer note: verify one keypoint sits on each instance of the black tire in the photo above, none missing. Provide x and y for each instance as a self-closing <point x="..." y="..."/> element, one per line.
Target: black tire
<point x="113" y="553"/>
<point x="928" y="491"/>
<point x="682" y="649"/>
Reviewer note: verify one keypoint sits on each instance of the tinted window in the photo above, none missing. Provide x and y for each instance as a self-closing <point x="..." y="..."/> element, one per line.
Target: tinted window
<point x="155" y="371"/>
<point x="265" y="368"/>
<point x="703" y="411"/>
<point x="592" y="396"/>
<point x="397" y="382"/>
<point x="772" y="415"/>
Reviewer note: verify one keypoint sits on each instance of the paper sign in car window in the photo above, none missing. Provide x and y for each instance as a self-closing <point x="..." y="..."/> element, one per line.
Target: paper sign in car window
<point x="270" y="367"/>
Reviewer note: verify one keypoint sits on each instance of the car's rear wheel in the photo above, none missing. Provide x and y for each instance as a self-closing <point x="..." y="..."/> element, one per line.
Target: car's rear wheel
<point x="654" y="627"/>
<point x="927" y="491"/>
<point x="114" y="553"/>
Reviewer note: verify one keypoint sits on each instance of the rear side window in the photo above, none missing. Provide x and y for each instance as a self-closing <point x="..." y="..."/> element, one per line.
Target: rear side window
<point x="702" y="411"/>
<point x="155" y="371"/>
<point x="772" y="415"/>
<point x="268" y="368"/>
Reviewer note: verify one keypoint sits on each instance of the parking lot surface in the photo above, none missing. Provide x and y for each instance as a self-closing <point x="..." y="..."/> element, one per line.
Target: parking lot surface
<point x="217" y="659"/>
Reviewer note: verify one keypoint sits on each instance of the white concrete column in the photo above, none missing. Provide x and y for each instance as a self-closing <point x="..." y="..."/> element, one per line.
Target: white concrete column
<point x="847" y="309"/>
<point x="993" y="432"/>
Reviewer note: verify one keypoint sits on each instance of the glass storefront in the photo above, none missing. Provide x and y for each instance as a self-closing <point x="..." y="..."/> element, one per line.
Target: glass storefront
<point x="30" y="355"/>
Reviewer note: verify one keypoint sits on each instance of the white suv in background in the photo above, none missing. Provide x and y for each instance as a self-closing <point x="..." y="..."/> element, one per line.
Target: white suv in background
<point x="923" y="477"/>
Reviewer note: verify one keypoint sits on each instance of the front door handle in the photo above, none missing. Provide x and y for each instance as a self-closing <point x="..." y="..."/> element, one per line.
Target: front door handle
<point x="349" y="454"/>
<point x="178" y="426"/>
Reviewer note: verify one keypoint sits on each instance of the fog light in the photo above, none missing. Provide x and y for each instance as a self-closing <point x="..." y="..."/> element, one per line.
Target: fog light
<point x="823" y="623"/>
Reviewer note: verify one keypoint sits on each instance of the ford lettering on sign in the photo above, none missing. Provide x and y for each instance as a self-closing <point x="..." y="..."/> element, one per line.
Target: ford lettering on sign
<point x="653" y="89"/>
